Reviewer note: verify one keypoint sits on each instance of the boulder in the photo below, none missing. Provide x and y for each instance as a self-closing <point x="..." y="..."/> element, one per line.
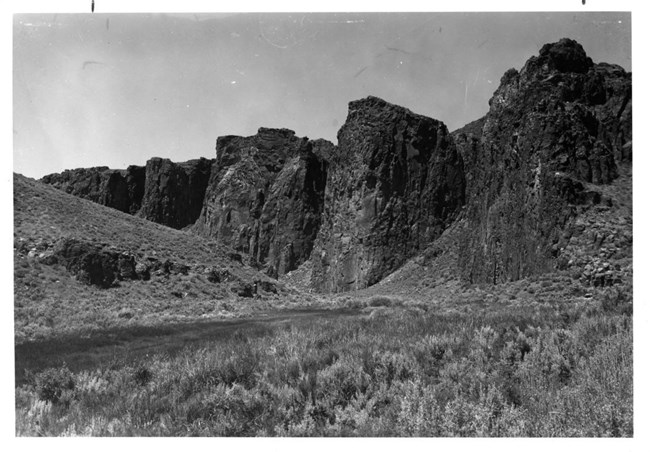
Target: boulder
<point x="265" y="286"/>
<point x="142" y="271"/>
<point x="243" y="289"/>
<point x="218" y="275"/>
<point x="91" y="264"/>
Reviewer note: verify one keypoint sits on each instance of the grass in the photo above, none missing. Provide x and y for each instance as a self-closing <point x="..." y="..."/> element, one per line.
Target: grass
<point x="43" y="214"/>
<point x="84" y="352"/>
<point x="561" y="371"/>
<point x="49" y="302"/>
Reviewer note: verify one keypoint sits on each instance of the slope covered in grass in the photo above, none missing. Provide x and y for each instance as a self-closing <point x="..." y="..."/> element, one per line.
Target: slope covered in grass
<point x="190" y="277"/>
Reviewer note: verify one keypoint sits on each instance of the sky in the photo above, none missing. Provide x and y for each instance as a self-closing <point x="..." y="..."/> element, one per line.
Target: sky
<point x="117" y="89"/>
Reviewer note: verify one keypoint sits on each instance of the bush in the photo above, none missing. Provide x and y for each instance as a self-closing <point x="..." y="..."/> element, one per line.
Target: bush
<point x="142" y="375"/>
<point x="429" y="353"/>
<point x="380" y="301"/>
<point x="52" y="383"/>
<point x="342" y="381"/>
<point x="617" y="300"/>
<point x="240" y="368"/>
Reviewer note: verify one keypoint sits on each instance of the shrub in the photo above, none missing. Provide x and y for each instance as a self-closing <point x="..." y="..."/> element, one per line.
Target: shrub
<point x="316" y="361"/>
<point x="240" y="368"/>
<point x="341" y="381"/>
<point x="616" y="300"/>
<point x="380" y="301"/>
<point x="387" y="367"/>
<point x="142" y="375"/>
<point x="429" y="353"/>
<point x="52" y="383"/>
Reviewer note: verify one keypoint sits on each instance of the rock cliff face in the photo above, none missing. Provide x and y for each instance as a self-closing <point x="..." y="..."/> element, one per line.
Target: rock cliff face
<point x="174" y="192"/>
<point x="119" y="189"/>
<point x="265" y="197"/>
<point x="164" y="192"/>
<point x="395" y="183"/>
<point x="553" y="128"/>
<point x="522" y="175"/>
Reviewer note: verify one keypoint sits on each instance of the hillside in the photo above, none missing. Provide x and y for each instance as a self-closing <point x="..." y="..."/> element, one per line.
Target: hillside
<point x="81" y="266"/>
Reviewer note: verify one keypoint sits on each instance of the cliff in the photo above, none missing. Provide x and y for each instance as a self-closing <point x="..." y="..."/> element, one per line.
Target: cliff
<point x="265" y="197"/>
<point x="163" y="191"/>
<point x="395" y="183"/>
<point x="174" y="192"/>
<point x="533" y="182"/>
<point x="555" y="129"/>
<point x="119" y="189"/>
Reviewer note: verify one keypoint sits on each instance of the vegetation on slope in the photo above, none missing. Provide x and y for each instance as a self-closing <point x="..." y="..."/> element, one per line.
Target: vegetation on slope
<point x="562" y="369"/>
<point x="190" y="277"/>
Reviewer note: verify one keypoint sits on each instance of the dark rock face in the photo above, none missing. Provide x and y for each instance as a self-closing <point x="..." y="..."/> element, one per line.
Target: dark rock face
<point x="610" y="92"/>
<point x="135" y="182"/>
<point x="394" y="184"/>
<point x="173" y="193"/>
<point x="265" y="197"/>
<point x="119" y="189"/>
<point x="92" y="265"/>
<point x="556" y="126"/>
<point x="291" y="215"/>
<point x="565" y="55"/>
<point x="468" y="140"/>
<point x="165" y="192"/>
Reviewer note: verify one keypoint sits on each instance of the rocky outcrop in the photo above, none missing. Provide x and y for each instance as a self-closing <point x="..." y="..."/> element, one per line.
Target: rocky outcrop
<point x="395" y="183"/>
<point x="119" y="189"/>
<point x="265" y="197"/>
<point x="174" y="192"/>
<point x="613" y="107"/>
<point x="93" y="265"/>
<point x="291" y="215"/>
<point x="553" y="128"/>
<point x="135" y="183"/>
<point x="163" y="191"/>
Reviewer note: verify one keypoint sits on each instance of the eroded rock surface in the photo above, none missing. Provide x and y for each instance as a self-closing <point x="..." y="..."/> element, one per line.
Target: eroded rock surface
<point x="554" y="128"/>
<point x="91" y="264"/>
<point x="265" y="197"/>
<point x="395" y="183"/>
<point x="163" y="191"/>
<point x="174" y="192"/>
<point x="119" y="189"/>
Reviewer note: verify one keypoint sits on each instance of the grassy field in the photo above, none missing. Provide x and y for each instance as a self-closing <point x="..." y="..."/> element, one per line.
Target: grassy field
<point x="129" y="344"/>
<point x="399" y="370"/>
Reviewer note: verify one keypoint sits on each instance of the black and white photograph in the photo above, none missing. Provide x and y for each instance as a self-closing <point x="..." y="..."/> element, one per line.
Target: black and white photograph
<point x="323" y="223"/>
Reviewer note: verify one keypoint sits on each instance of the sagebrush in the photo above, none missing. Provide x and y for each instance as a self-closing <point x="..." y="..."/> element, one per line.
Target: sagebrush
<point x="560" y="372"/>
